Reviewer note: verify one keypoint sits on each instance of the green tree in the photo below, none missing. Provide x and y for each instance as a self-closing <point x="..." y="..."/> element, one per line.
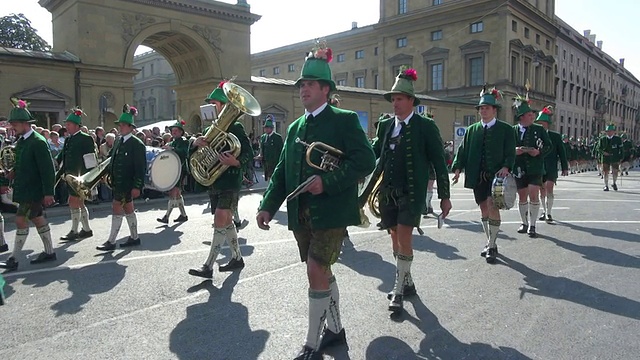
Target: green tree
<point x="16" y="32"/>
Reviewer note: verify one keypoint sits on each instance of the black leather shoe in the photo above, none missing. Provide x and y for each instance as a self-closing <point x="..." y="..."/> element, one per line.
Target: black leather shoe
<point x="523" y="229"/>
<point x="549" y="219"/>
<point x="107" y="246"/>
<point x="330" y="339"/>
<point x="4" y="248"/>
<point x="11" y="264"/>
<point x="181" y="218"/>
<point x="44" y="257"/>
<point x="308" y="353"/>
<point x="408" y="290"/>
<point x="626" y="173"/>
<point x="542" y="217"/>
<point x="204" y="272"/>
<point x="163" y="220"/>
<point x="395" y="304"/>
<point x="130" y="242"/>
<point x="606" y="188"/>
<point x="532" y="232"/>
<point x="85" y="234"/>
<point x="232" y="265"/>
<point x="486" y="249"/>
<point x="491" y="255"/>
<point x="615" y="187"/>
<point x="71" y="236"/>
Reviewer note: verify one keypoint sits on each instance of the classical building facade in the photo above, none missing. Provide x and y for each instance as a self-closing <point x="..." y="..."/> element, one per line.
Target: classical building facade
<point x="593" y="89"/>
<point x="153" y="92"/>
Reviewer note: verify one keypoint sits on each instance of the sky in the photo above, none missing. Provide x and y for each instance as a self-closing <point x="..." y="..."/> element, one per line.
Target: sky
<point x="614" y="25"/>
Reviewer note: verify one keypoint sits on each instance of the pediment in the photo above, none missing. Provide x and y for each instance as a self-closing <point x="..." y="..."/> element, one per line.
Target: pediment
<point x="42" y="93"/>
<point x="529" y="49"/>
<point x="274" y="109"/>
<point x="400" y="57"/>
<point x="516" y="43"/>
<point x="436" y="51"/>
<point x="474" y="44"/>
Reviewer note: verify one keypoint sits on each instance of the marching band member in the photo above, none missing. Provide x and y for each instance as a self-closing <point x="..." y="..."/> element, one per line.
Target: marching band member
<point x="532" y="145"/>
<point x="271" y="144"/>
<point x="224" y="194"/>
<point x="33" y="177"/>
<point x="127" y="170"/>
<point x="73" y="162"/>
<point x="319" y="216"/>
<point x="180" y="145"/>
<point x="487" y="151"/>
<point x="627" y="157"/>
<point x="609" y="150"/>
<point x="556" y="154"/>
<point x="4" y="188"/>
<point x="407" y="145"/>
<point x="432" y="179"/>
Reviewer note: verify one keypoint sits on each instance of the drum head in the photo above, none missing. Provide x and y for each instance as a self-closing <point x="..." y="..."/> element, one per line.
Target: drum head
<point x="510" y="191"/>
<point x="164" y="171"/>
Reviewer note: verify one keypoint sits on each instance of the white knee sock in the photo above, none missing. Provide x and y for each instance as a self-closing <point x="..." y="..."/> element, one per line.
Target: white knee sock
<point x="429" y="197"/>
<point x="3" y="241"/>
<point x="534" y="209"/>
<point x="133" y="225"/>
<point x="403" y="269"/>
<point x="232" y="239"/>
<point x="21" y="238"/>
<point x="219" y="235"/>
<point x="494" y="229"/>
<point x="485" y="226"/>
<point x="543" y="203"/>
<point x="170" y="206"/>
<point x="116" y="223"/>
<point x="549" y="203"/>
<point x="45" y="235"/>
<point x="84" y="217"/>
<point x="524" y="208"/>
<point x="319" y="301"/>
<point x="615" y="177"/>
<point x="606" y="179"/>
<point x="75" y="220"/>
<point x="180" y="203"/>
<point x="334" y="322"/>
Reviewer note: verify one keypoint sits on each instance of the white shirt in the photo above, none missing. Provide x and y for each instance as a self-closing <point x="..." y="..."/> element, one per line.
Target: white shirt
<point x="397" y="127"/>
<point x="27" y="134"/>
<point x="126" y="137"/>
<point x="490" y="123"/>
<point x="522" y="130"/>
<point x="316" y="111"/>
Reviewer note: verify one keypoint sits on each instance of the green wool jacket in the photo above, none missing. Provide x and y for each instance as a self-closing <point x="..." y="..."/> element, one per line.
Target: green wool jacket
<point x="424" y="148"/>
<point x="500" y="151"/>
<point x="181" y="147"/>
<point x="612" y="146"/>
<point x="627" y="150"/>
<point x="34" y="171"/>
<point x="75" y="146"/>
<point x="271" y="147"/>
<point x="337" y="206"/>
<point x="557" y="153"/>
<point x="128" y="165"/>
<point x="568" y="150"/>
<point x="532" y="165"/>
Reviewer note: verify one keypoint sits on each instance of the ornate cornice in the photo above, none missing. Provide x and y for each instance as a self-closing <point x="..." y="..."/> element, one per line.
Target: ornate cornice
<point x="219" y="10"/>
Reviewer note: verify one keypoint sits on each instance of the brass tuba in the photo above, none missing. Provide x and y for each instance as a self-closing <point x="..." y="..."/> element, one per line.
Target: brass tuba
<point x="205" y="165"/>
<point x="82" y="185"/>
<point x="7" y="158"/>
<point x="368" y="192"/>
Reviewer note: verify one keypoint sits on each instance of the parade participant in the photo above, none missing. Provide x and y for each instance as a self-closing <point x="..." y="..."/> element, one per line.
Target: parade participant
<point x="407" y="145"/>
<point x="78" y="156"/>
<point x="127" y="170"/>
<point x="319" y="216"/>
<point x="180" y="145"/>
<point x="487" y="151"/>
<point x="224" y="194"/>
<point x="573" y="163"/>
<point x="432" y="179"/>
<point x="556" y="154"/>
<point x="33" y="177"/>
<point x="627" y="154"/>
<point x="4" y="188"/>
<point x="609" y="151"/>
<point x="270" y="147"/>
<point x="532" y="145"/>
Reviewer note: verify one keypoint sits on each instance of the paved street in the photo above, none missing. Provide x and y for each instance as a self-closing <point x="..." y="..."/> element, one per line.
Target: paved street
<point x="572" y="293"/>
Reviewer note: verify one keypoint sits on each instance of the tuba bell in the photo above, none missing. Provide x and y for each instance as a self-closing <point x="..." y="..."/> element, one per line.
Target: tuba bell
<point x="205" y="164"/>
<point x="368" y="191"/>
<point x="83" y="185"/>
<point x="7" y="158"/>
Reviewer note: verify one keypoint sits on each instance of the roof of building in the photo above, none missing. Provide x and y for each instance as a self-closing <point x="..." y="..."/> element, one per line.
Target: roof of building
<point x="46" y="55"/>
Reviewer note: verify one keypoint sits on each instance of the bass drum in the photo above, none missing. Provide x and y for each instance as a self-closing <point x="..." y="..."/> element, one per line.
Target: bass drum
<point x="163" y="169"/>
<point x="503" y="192"/>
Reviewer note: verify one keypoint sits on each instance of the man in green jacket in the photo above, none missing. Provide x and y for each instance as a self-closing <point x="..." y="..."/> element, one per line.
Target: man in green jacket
<point x="127" y="170"/>
<point x="270" y="147"/>
<point x="627" y="154"/>
<point x="77" y="157"/>
<point x="407" y="145"/>
<point x="487" y="151"/>
<point x="180" y="145"/>
<point x="609" y="151"/>
<point x="328" y="203"/>
<point x="224" y="194"/>
<point x="557" y="154"/>
<point x="33" y="177"/>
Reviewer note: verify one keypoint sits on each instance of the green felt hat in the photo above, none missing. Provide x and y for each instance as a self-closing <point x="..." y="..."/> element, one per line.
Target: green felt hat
<point x="316" y="65"/>
<point x="20" y="113"/>
<point x="268" y="121"/>
<point x="178" y="124"/>
<point x="564" y="136"/>
<point x="545" y="114"/>
<point x="218" y="94"/>
<point x="489" y="97"/>
<point x="610" y="127"/>
<point x="76" y="116"/>
<point x="521" y="106"/>
<point x="128" y="112"/>
<point x="404" y="85"/>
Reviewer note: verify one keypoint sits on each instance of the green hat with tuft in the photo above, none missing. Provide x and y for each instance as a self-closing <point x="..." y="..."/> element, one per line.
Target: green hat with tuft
<point x="180" y="123"/>
<point x="490" y="97"/>
<point x="316" y="65"/>
<point x="218" y="94"/>
<point x="76" y="116"/>
<point x="128" y="112"/>
<point x="404" y="85"/>
<point x="564" y="136"/>
<point x="521" y="106"/>
<point x="20" y="112"/>
<point x="545" y="114"/>
<point x="610" y="127"/>
<point x="268" y="121"/>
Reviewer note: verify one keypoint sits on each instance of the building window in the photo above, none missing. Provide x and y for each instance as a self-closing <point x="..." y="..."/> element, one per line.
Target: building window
<point x="292" y="67"/>
<point x="437" y="76"/>
<point x="564" y="54"/>
<point x="538" y="39"/>
<point x="547" y="44"/>
<point x="359" y="54"/>
<point x="401" y="42"/>
<point x="402" y="6"/>
<point x="341" y="82"/>
<point x="476" y="71"/>
<point x="375" y="51"/>
<point x="436" y="35"/>
<point x="514" y="69"/>
<point x="477" y="27"/>
<point x="152" y="91"/>
<point x="514" y="25"/>
<point x="571" y="57"/>
<point x="263" y="72"/>
<point x="437" y="2"/>
<point x="142" y="72"/>
<point x="151" y="69"/>
<point x="276" y="70"/>
<point x="375" y="81"/>
<point x="526" y="32"/>
<point x="469" y="119"/>
<point x="340" y="58"/>
<point x="360" y="81"/>
<point x="561" y="129"/>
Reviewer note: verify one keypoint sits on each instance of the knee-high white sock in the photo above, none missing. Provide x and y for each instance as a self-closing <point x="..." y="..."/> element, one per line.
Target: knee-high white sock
<point x="232" y="239"/>
<point x="219" y="235"/>
<point x="84" y="217"/>
<point x="549" y="203"/>
<point x="116" y="223"/>
<point x="534" y="209"/>
<point x="318" y="304"/>
<point x="429" y="197"/>
<point x="543" y="203"/>
<point x="485" y="226"/>
<point x="606" y="179"/>
<point x="45" y="235"/>
<point x="524" y="208"/>
<point x="133" y="225"/>
<point x="170" y="206"/>
<point x="494" y="229"/>
<point x="615" y="177"/>
<point x="180" y="203"/>
<point x="21" y="238"/>
<point x="3" y="241"/>
<point x="334" y="322"/>
<point x="403" y="268"/>
<point x="75" y="220"/>
<point x="409" y="277"/>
